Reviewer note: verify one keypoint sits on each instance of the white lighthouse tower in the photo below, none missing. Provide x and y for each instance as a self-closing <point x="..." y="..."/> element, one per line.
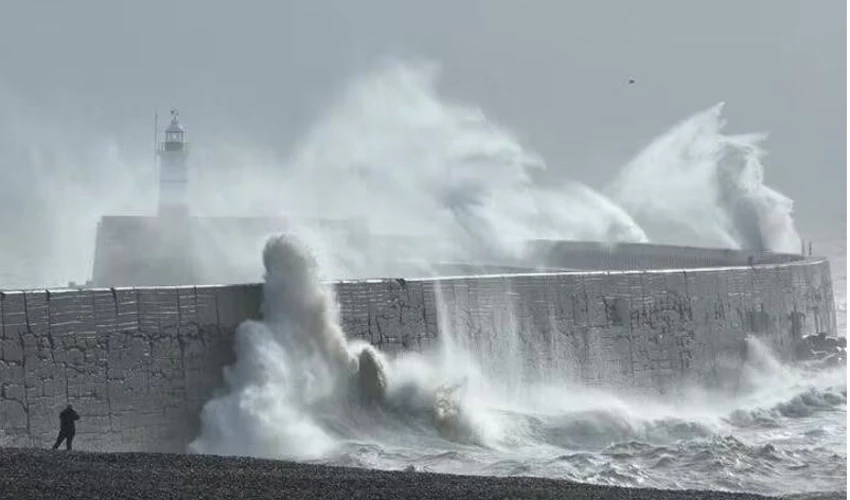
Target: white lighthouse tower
<point x="173" y="171"/>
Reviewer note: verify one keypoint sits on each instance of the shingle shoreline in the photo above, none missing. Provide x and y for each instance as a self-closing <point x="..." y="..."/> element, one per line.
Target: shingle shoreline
<point x="32" y="473"/>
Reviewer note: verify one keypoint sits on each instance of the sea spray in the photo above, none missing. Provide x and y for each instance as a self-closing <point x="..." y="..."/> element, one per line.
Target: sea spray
<point x="299" y="389"/>
<point x="402" y="160"/>
<point x="298" y="386"/>
<point x="393" y="153"/>
<point x="286" y="366"/>
<point x="439" y="171"/>
<point x="696" y="184"/>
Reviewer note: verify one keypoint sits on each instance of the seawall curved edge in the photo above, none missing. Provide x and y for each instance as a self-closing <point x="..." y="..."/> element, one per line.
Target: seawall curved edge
<point x="141" y="362"/>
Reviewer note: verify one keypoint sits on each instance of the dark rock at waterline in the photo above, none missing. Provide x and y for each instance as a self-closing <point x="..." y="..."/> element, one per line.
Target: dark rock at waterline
<point x="832" y="350"/>
<point x="37" y="474"/>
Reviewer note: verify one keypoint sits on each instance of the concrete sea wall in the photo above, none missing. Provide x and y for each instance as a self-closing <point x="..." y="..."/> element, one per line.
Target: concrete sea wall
<point x="139" y="363"/>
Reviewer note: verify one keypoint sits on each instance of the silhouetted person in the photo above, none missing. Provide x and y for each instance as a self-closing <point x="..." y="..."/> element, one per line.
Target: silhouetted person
<point x="67" y="428"/>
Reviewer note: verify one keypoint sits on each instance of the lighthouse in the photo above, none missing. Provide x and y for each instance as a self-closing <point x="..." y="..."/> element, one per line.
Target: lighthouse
<point x="174" y="247"/>
<point x="173" y="171"/>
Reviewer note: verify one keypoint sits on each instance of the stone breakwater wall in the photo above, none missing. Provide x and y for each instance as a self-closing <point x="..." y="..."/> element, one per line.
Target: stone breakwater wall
<point x="139" y="363"/>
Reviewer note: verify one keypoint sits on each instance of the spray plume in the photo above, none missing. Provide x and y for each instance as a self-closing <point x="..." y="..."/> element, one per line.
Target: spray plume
<point x="696" y="184"/>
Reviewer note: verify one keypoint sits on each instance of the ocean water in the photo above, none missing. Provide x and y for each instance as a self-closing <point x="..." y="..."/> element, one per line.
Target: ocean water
<point x="301" y="390"/>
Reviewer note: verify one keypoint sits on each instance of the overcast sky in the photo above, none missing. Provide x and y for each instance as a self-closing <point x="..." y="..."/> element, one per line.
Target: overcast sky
<point x="552" y="71"/>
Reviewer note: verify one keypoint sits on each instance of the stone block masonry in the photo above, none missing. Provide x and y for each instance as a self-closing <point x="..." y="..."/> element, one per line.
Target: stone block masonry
<point x="139" y="363"/>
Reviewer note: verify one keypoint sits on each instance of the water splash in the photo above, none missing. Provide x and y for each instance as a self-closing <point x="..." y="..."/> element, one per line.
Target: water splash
<point x="697" y="184"/>
<point x="61" y="177"/>
<point x="442" y="172"/>
<point x="301" y="390"/>
<point x="298" y="386"/>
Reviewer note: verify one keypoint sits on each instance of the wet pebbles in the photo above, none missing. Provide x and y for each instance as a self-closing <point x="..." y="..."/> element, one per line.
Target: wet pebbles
<point x="31" y="474"/>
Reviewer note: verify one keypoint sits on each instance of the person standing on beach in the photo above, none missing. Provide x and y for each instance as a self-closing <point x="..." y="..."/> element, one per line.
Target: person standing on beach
<point x="67" y="427"/>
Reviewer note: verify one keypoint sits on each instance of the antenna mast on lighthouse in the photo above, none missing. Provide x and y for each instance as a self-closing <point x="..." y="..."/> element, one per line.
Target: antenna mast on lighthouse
<point x="155" y="136"/>
<point x="173" y="171"/>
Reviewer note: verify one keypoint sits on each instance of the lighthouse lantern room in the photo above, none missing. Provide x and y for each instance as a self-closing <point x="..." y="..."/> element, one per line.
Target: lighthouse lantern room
<point x="173" y="171"/>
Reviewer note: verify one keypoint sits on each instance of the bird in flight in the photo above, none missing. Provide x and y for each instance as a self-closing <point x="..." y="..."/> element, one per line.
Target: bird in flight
<point x="631" y="81"/>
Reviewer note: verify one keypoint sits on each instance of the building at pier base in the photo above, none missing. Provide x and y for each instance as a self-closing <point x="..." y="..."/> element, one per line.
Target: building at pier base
<point x="175" y="247"/>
